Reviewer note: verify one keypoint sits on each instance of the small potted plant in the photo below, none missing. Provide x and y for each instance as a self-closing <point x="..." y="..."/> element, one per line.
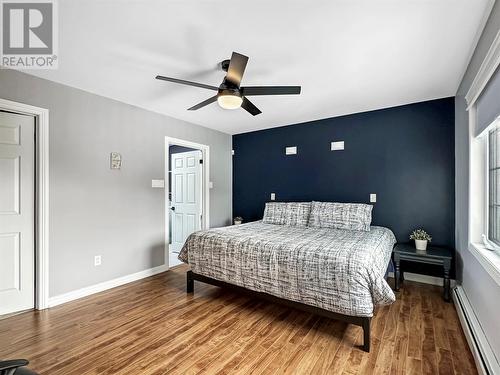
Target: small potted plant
<point x="238" y="220"/>
<point x="421" y="238"/>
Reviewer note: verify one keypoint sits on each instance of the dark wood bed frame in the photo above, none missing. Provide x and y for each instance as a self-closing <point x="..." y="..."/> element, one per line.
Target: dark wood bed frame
<point x="361" y="321"/>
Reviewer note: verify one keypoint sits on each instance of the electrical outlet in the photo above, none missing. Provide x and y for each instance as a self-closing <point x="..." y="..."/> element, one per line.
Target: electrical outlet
<point x="273" y="196"/>
<point x="337" y="145"/>
<point x="373" y="198"/>
<point x="97" y="260"/>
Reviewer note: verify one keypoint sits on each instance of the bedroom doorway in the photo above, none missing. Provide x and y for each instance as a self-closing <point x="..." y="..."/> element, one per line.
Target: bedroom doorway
<point x="17" y="226"/>
<point x="186" y="194"/>
<point x="24" y="199"/>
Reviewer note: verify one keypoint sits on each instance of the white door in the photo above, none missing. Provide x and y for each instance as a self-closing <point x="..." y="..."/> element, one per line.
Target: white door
<point x="17" y="165"/>
<point x="186" y="196"/>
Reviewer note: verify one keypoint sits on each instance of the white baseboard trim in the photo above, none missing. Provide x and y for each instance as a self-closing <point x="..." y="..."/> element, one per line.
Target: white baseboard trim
<point x="484" y="356"/>
<point x="89" y="290"/>
<point x="424" y="279"/>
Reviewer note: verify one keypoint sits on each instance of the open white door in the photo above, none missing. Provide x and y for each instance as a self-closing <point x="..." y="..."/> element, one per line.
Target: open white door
<point x="17" y="163"/>
<point x="186" y="203"/>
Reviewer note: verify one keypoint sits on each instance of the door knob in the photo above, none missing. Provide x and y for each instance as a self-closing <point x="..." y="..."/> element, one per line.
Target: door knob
<point x="172" y="208"/>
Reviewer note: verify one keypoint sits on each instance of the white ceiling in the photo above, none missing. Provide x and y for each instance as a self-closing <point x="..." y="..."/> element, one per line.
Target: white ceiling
<point x="348" y="55"/>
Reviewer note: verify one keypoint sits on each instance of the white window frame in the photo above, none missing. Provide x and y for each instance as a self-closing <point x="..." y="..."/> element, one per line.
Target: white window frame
<point x="486" y="187"/>
<point x="486" y="140"/>
<point x="479" y="167"/>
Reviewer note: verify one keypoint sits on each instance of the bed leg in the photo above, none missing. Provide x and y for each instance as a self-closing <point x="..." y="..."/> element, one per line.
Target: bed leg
<point x="189" y="282"/>
<point x="366" y="334"/>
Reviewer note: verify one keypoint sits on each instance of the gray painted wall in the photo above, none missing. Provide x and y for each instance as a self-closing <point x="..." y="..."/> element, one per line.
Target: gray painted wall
<point x="114" y="213"/>
<point x="481" y="289"/>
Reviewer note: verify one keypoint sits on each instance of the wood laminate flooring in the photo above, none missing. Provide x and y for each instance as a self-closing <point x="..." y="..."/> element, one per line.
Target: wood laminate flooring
<point x="153" y="327"/>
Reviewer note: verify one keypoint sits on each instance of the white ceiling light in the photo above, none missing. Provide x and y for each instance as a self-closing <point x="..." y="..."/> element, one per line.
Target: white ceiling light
<point x="229" y="101"/>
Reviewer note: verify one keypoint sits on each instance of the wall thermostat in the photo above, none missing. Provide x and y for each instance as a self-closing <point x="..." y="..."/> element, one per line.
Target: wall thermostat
<point x="115" y="160"/>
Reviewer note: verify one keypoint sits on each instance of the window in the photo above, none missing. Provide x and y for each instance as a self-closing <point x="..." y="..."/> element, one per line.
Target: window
<point x="483" y="193"/>
<point x="494" y="185"/>
<point x="487" y="130"/>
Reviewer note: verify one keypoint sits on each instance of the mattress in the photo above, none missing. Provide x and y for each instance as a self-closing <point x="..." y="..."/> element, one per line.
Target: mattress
<point x="337" y="270"/>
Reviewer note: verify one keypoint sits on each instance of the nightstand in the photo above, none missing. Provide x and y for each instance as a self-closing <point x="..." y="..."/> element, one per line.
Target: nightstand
<point x="441" y="256"/>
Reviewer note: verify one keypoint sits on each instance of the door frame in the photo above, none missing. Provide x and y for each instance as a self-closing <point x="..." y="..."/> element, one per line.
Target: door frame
<point x="205" y="186"/>
<point x="41" y="234"/>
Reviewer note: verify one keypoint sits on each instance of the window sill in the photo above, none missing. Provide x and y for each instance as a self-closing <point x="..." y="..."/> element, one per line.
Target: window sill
<point x="490" y="260"/>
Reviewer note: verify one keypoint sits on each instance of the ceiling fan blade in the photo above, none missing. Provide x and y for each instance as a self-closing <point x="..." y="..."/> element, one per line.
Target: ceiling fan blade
<point x="203" y="103"/>
<point x="248" y="106"/>
<point x="189" y="83"/>
<point x="270" y="90"/>
<point x="236" y="68"/>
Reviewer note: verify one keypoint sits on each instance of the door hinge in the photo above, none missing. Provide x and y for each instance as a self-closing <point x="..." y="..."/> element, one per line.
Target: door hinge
<point x="201" y="161"/>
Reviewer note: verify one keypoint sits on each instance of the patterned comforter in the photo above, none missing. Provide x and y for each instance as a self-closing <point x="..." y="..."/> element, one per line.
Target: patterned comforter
<point x="337" y="270"/>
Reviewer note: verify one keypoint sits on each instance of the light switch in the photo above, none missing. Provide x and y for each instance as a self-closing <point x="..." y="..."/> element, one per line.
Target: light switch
<point x="337" y="146"/>
<point x="292" y="150"/>
<point x="373" y="198"/>
<point x="210" y="185"/>
<point x="273" y="196"/>
<point x="158" y="183"/>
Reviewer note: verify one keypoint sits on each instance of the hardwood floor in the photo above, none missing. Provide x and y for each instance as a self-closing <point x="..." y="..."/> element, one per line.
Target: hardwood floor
<point x="152" y="327"/>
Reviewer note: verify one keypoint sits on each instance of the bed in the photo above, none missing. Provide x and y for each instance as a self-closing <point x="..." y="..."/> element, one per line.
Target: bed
<point x="339" y="273"/>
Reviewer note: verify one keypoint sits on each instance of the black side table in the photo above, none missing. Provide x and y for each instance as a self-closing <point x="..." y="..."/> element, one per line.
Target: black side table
<point x="433" y="255"/>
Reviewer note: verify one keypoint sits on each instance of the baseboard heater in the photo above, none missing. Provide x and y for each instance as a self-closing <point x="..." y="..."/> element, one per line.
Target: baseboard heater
<point x="484" y="356"/>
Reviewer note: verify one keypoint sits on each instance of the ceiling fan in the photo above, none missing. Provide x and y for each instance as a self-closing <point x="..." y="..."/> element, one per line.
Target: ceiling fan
<point x="229" y="94"/>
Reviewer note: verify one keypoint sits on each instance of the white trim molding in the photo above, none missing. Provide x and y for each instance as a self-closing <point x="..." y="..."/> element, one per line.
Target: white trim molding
<point x="42" y="196"/>
<point x="101" y="287"/>
<point x="205" y="150"/>
<point x="488" y="67"/>
<point x="484" y="356"/>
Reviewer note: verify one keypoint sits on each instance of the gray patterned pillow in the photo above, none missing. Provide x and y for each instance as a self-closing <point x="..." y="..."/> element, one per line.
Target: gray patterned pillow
<point x="297" y="214"/>
<point x="274" y="213"/>
<point x="287" y="213"/>
<point x="352" y="216"/>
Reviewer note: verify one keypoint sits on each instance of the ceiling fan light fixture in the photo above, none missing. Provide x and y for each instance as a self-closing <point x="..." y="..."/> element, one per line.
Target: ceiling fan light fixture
<point x="229" y="100"/>
<point x="230" y="93"/>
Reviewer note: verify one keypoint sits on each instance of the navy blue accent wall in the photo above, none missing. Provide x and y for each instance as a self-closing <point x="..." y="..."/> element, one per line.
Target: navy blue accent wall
<point x="403" y="154"/>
